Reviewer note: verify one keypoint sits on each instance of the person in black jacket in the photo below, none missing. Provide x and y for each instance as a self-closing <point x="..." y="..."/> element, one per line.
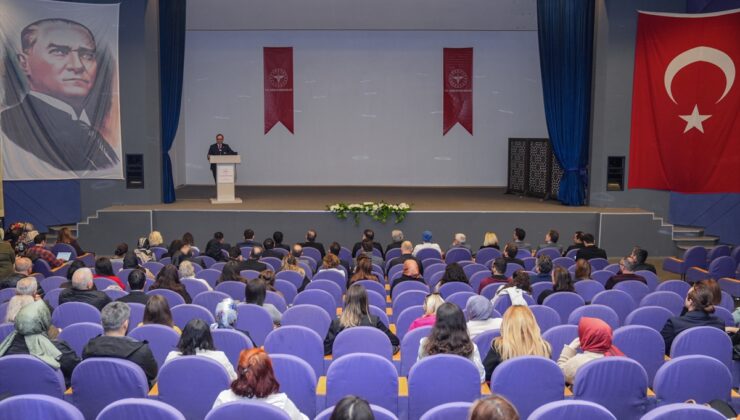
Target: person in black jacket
<point x="356" y="313"/>
<point x="639" y="257"/>
<point x="699" y="314"/>
<point x="368" y="234"/>
<point x="590" y="250"/>
<point x="169" y="278"/>
<point x="214" y="246"/>
<point x="510" y="251"/>
<point x="82" y="290"/>
<point x="136" y="282"/>
<point x="219" y="148"/>
<point x="311" y="243"/>
<point x="114" y="342"/>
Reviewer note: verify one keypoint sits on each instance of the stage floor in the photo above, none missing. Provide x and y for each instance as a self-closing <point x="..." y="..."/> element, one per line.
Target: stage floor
<point x="197" y="197"/>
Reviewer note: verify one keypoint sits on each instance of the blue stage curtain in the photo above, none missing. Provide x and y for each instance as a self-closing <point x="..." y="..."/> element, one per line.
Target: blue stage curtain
<point x="171" y="58"/>
<point x="565" y="30"/>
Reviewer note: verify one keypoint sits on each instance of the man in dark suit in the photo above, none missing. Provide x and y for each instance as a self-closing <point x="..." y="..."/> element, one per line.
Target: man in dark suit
<point x="311" y="243"/>
<point x="589" y="250"/>
<point x="627" y="272"/>
<point x="639" y="257"/>
<point x="407" y="253"/>
<point x="219" y="148"/>
<point x="58" y="57"/>
<point x="82" y="290"/>
<point x="269" y="245"/>
<point x="370" y="235"/>
<point x="510" y="251"/>
<point x="136" y="282"/>
<point x="253" y="263"/>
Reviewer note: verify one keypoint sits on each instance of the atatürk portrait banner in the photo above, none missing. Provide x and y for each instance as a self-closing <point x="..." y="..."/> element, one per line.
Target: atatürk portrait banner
<point x="278" y="87"/>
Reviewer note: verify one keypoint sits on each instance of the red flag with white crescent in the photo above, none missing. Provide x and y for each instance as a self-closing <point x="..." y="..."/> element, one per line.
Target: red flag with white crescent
<point x="278" y="87"/>
<point x="458" y="88"/>
<point x="685" y="102"/>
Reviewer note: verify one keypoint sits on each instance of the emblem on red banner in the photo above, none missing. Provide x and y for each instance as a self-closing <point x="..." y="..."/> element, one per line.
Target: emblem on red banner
<point x="458" y="88"/>
<point x="278" y="87"/>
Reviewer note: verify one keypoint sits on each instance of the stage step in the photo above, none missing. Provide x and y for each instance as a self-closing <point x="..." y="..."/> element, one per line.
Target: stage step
<point x="705" y="241"/>
<point x="682" y="232"/>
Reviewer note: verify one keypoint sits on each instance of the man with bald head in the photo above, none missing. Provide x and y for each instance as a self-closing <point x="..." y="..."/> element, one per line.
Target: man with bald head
<point x="410" y="273"/>
<point x="83" y="290"/>
<point x="59" y="59"/>
<point x="407" y="250"/>
<point x="23" y="268"/>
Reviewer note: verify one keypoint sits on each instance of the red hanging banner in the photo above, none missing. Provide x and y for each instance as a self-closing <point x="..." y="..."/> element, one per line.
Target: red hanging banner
<point x="278" y="87"/>
<point x="458" y="88"/>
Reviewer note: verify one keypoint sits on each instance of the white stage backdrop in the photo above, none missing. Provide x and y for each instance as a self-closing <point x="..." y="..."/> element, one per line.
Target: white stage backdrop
<point x="368" y="107"/>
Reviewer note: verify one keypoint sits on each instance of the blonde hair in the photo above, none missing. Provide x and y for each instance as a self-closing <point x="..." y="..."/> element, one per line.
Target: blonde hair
<point x="291" y="264"/>
<point x="155" y="238"/>
<point x="432" y="302"/>
<point x="186" y="270"/>
<point x="489" y="239"/>
<point x="520" y="335"/>
<point x="355" y="307"/>
<point x="15" y="305"/>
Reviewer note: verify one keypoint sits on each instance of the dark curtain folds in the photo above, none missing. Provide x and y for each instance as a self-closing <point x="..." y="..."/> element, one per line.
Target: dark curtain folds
<point x="565" y="30"/>
<point x="171" y="58"/>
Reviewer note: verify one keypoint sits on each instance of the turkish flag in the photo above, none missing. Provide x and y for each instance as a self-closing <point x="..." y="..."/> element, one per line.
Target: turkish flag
<point x="278" y="87"/>
<point x="685" y="101"/>
<point x="458" y="88"/>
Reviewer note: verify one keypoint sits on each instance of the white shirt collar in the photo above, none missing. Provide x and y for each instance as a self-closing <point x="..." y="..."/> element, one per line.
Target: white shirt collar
<point x="62" y="106"/>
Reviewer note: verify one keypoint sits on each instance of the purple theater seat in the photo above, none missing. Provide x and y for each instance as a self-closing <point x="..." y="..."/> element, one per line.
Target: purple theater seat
<point x="471" y="269"/>
<point x="276" y="300"/>
<point x="621" y="302"/>
<point x="7" y="294"/>
<point x="502" y="302"/>
<point x="298" y="341"/>
<point x="102" y="283"/>
<point x="235" y="289"/>
<point x="653" y="317"/>
<point x="512" y="268"/>
<point x="529" y="263"/>
<point x="651" y="279"/>
<point x="724" y="315"/>
<point x="528" y="382"/>
<point x="410" y="347"/>
<point x="333" y="276"/>
<point x="669" y="300"/>
<point x="137" y="315"/>
<point x="362" y="340"/>
<point x="727" y="302"/>
<point x="372" y="285"/>
<point x="409" y="286"/>
<point x="635" y="288"/>
<point x="288" y="290"/>
<point x="182" y="314"/>
<point x="380" y="313"/>
<point x="30" y="376"/>
<point x="255" y="319"/>
<point x="293" y="277"/>
<point x="140" y="408"/>
<point x="247" y="409"/>
<point x="173" y="298"/>
<point x="642" y="344"/>
<point x="210" y="300"/>
<point x="393" y="253"/>
<point x="329" y="286"/>
<point x="73" y="312"/>
<point x="158" y="251"/>
<point x="598" y="264"/>
<point x="614" y="268"/>
<point x="440" y="379"/>
<point x="51" y="283"/>
<point x="379" y="385"/>
<point x="617" y="383"/>
<point x="273" y="263"/>
<point x="77" y="335"/>
<point x="545" y="316"/>
<point x="153" y="266"/>
<point x="587" y="289"/>
<point x="550" y="252"/>
<point x="707" y="341"/>
<point x="679" y="287"/>
<point x="115" y="294"/>
<point x="700" y="378"/>
<point x="558" y="337"/>
<point x="376" y="299"/>
<point x="457" y="254"/>
<point x="310" y="316"/>
<point x="487" y="254"/>
<point x="460" y="298"/>
<point x="207" y="261"/>
<point x="484" y="341"/>
<point x="98" y="382"/>
<point x="407" y="299"/>
<point x="453" y="410"/>
<point x="319" y="298"/>
<point x="729" y="285"/>
<point x="433" y="279"/>
<point x="718" y="268"/>
<point x="564" y="262"/>
<point x="162" y="339"/>
<point x="539" y="287"/>
<point x="380" y="413"/>
<point x="449" y="288"/>
<point x="570" y="409"/>
<point x="194" y="287"/>
<point x="231" y="342"/>
<point x="696" y="256"/>
<point x="601" y="312"/>
<point x="312" y="252"/>
<point x="406" y="318"/>
<point x="602" y="276"/>
<point x="683" y="411"/>
<point x="210" y="275"/>
<point x="476" y="278"/>
<point x="36" y="406"/>
<point x="176" y="382"/>
<point x="564" y="303"/>
<point x="425" y="253"/>
<point x="298" y="380"/>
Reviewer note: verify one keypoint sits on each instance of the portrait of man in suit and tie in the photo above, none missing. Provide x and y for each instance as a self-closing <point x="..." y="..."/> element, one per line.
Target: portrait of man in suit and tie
<point x="219" y="148"/>
<point x="55" y="128"/>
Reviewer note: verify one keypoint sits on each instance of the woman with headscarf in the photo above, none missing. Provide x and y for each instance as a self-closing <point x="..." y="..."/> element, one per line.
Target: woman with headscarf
<point x="226" y="317"/>
<point x="30" y="337"/>
<point x="410" y="273"/>
<point x="479" y="310"/>
<point x="595" y="339"/>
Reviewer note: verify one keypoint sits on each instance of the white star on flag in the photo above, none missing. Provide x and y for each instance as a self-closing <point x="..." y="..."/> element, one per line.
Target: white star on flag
<point x="694" y="120"/>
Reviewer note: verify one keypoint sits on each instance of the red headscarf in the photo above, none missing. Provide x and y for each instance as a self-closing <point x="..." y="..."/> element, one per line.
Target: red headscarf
<point x="596" y="336"/>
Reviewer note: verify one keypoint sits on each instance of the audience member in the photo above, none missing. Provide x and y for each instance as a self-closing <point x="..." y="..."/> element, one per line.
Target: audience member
<point x="83" y="290"/>
<point x="542" y="267"/>
<point x="410" y="273"/>
<point x="157" y="311"/>
<point x="187" y="238"/>
<point x="352" y="407"/>
<point x="120" y="251"/>
<point x="296" y="250"/>
<point x="226" y="316"/>
<point x="65" y="237"/>
<point x="248" y="239"/>
<point x="215" y="246"/>
<point x="104" y="269"/>
<point x="396" y="238"/>
<point x="490" y="240"/>
<point x="335" y="248"/>
<point x="23" y="268"/>
<point x="450" y="336"/>
<point x="453" y="273"/>
<point x="155" y="239"/>
<point x="231" y="272"/>
<point x="73" y="266"/>
<point x="356" y="313"/>
<point x="235" y="255"/>
<point x="277" y="236"/>
<point x="7" y="260"/>
<point x="510" y="251"/>
<point x="627" y="272"/>
<point x="330" y="262"/>
<point x="716" y="290"/>
<point x="561" y="282"/>
<point x="183" y="253"/>
<point x="520" y="336"/>
<point x="459" y="241"/>
<point x="590" y="250"/>
<point x="494" y="407"/>
<point x="363" y="271"/>
<point x="256" y="381"/>
<point x="253" y="262"/>
<point x="25" y="293"/>
<point x="700" y="310"/>
<point x="311" y="243"/>
<point x="583" y="270"/>
<point x="426" y="242"/>
<point x="187" y="271"/>
<point x="174" y="246"/>
<point x="516" y="289"/>
<point x="551" y="241"/>
<point x="196" y="340"/>
<point x="30" y="336"/>
<point x="479" y="310"/>
<point x="269" y="249"/>
<point x="114" y="342"/>
<point x="498" y="268"/>
<point x="255" y="293"/>
<point x="518" y="236"/>
<point x="639" y="257"/>
<point x="367" y="247"/>
<point x="168" y="278"/>
<point x="577" y="242"/>
<point x="39" y="251"/>
<point x="131" y="261"/>
<point x="136" y="283"/>
<point x="290" y="263"/>
<point x="595" y="339"/>
<point x="407" y="253"/>
<point x="431" y="303"/>
<point x="268" y="276"/>
<point x="367" y="235"/>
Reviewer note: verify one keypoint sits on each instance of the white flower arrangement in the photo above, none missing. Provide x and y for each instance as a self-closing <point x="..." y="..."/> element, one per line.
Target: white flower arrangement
<point x="380" y="212"/>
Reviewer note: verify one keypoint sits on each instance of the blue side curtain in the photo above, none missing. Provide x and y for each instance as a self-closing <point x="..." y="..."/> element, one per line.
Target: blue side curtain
<point x="171" y="58"/>
<point x="565" y="30"/>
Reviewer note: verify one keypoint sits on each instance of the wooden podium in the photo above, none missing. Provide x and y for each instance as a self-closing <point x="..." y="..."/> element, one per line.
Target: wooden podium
<point x="225" y="178"/>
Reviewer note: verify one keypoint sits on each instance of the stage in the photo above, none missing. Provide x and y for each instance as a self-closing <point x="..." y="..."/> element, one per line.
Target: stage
<point x="444" y="211"/>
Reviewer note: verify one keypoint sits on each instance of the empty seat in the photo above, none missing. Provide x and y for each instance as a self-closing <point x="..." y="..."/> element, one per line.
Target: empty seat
<point x="528" y="382"/>
<point x="98" y="382"/>
<point x="571" y="409"/>
<point x="379" y="384"/>
<point x="191" y="384"/>
<point x="140" y="408"/>
<point x="35" y="406"/>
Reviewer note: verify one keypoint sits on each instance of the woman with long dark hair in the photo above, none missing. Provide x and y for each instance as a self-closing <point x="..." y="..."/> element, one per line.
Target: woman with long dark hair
<point x="450" y="336"/>
<point x="363" y="271"/>
<point x="65" y="237"/>
<point x="104" y="269"/>
<point x="561" y="282"/>
<point x="453" y="273"/>
<point x="196" y="340"/>
<point x="230" y="272"/>
<point x="168" y="278"/>
<point x="157" y="311"/>
<point x="699" y="306"/>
